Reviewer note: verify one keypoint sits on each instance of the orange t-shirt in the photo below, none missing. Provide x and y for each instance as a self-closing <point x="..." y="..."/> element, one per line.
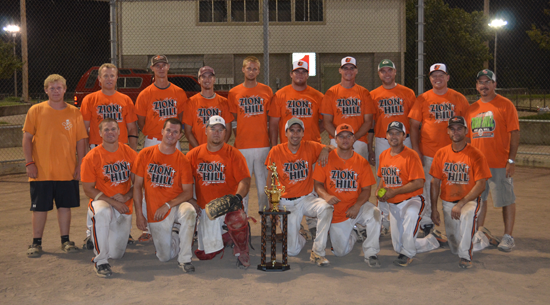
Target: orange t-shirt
<point x="199" y="110"/>
<point x="97" y="106"/>
<point x="55" y="133"/>
<point x="391" y="105"/>
<point x="399" y="170"/>
<point x="295" y="170"/>
<point x="216" y="173"/>
<point x="344" y="179"/>
<point x="163" y="176"/>
<point x="433" y="112"/>
<point x="250" y="105"/>
<point x="490" y="126"/>
<point x="158" y="105"/>
<point x="110" y="170"/>
<point x="288" y="103"/>
<point x="459" y="171"/>
<point x="348" y="106"/>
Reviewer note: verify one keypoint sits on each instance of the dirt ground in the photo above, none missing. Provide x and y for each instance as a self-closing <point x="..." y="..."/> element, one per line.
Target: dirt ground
<point x="522" y="276"/>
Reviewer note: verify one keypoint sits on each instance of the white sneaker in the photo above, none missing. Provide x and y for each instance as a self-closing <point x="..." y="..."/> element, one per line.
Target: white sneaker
<point x="507" y="243"/>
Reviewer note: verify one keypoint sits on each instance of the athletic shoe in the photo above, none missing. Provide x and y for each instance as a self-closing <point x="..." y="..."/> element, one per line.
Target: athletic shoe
<point x="145" y="237"/>
<point x="372" y="261"/>
<point x="34" y="250"/>
<point x="319" y="260"/>
<point x="360" y="233"/>
<point x="441" y="238"/>
<point x="493" y="241"/>
<point x="402" y="260"/>
<point x="427" y="229"/>
<point x="465" y="264"/>
<point x="507" y="243"/>
<point x="187" y="267"/>
<point x="243" y="261"/>
<point x="69" y="247"/>
<point x="103" y="270"/>
<point x="131" y="240"/>
<point x="88" y="243"/>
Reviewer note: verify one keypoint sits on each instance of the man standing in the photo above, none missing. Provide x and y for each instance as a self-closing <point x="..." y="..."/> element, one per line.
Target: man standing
<point x="392" y="102"/>
<point x="107" y="180"/>
<point x="297" y="100"/>
<point x="495" y="131"/>
<point x="158" y="102"/>
<point x="220" y="169"/>
<point x="109" y="103"/>
<point x="53" y="135"/>
<point x="345" y="183"/>
<point x="202" y="106"/>
<point x="460" y="171"/>
<point x="349" y="103"/>
<point x="433" y="109"/>
<point x="401" y="186"/>
<point x="294" y="161"/>
<point x="248" y="102"/>
<point x="163" y="173"/>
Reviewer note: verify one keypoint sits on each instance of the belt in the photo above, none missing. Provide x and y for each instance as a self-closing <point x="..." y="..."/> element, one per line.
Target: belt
<point x="293" y="198"/>
<point x="455" y="202"/>
<point x="402" y="201"/>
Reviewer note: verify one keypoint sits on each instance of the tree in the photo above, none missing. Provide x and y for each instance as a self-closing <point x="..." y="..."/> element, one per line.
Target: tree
<point x="8" y="62"/>
<point x="453" y="37"/>
<point x="541" y="35"/>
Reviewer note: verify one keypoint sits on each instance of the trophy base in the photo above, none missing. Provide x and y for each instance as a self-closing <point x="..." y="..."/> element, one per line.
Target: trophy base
<point x="278" y="267"/>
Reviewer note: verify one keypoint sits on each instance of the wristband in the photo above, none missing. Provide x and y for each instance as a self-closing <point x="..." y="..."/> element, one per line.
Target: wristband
<point x="240" y="197"/>
<point x="169" y="207"/>
<point x="371" y="130"/>
<point x="132" y="136"/>
<point x="98" y="195"/>
<point x="32" y="162"/>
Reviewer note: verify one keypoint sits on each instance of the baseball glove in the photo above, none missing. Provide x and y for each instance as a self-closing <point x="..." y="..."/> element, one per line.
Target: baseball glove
<point x="223" y="205"/>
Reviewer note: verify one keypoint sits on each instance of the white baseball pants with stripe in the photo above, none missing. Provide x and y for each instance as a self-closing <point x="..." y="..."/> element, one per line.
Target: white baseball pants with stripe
<point x="255" y="159"/>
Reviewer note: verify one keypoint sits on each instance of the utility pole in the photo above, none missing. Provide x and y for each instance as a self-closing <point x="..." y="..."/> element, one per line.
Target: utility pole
<point x="24" y="53"/>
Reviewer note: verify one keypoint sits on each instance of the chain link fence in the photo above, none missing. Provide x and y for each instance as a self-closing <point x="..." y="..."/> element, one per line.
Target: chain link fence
<point x="70" y="37"/>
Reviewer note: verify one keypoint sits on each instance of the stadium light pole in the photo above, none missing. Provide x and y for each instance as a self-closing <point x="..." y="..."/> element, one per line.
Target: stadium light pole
<point x="496" y="24"/>
<point x="13" y="30"/>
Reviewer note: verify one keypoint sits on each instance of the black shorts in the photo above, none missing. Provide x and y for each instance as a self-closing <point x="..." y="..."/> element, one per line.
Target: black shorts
<point x="65" y="193"/>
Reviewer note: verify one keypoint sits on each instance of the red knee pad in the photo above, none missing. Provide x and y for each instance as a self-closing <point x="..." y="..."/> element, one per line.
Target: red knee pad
<point x="235" y="220"/>
<point x="205" y="257"/>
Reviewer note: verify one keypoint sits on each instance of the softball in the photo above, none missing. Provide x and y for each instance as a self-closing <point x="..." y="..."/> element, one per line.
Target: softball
<point x="381" y="192"/>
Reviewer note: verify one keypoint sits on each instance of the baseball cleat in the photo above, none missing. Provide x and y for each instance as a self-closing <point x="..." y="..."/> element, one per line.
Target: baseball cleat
<point x="319" y="260"/>
<point x="131" y="240"/>
<point x="145" y="237"/>
<point x="465" y="264"/>
<point x="372" y="261"/>
<point x="88" y="243"/>
<point x="441" y="238"/>
<point x="493" y="241"/>
<point x="69" y="247"/>
<point x="507" y="243"/>
<point x="34" y="250"/>
<point x="103" y="270"/>
<point x="187" y="267"/>
<point x="427" y="229"/>
<point x="402" y="261"/>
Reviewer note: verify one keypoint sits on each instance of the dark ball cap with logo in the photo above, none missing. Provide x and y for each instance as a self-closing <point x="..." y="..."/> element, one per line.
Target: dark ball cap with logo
<point x="397" y="126"/>
<point x="457" y="120"/>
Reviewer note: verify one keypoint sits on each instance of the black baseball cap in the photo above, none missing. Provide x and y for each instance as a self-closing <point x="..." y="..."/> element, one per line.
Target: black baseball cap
<point x="397" y="126"/>
<point x="458" y="120"/>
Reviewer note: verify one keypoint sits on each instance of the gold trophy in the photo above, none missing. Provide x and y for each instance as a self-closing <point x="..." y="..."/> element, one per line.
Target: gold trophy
<point x="274" y="193"/>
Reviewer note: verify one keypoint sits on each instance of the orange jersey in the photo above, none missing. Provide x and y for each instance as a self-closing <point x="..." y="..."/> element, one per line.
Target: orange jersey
<point x="250" y="105"/>
<point x="391" y="105"/>
<point x="344" y="179"/>
<point x="158" y="105"/>
<point x="199" y="110"/>
<point x="288" y="103"/>
<point x="295" y="170"/>
<point x="490" y="127"/>
<point x="97" y="106"/>
<point x="110" y="170"/>
<point x="55" y="134"/>
<point x="459" y="171"/>
<point x="216" y="173"/>
<point x="163" y="176"/>
<point x="399" y="170"/>
<point x="433" y="112"/>
<point x="348" y="106"/>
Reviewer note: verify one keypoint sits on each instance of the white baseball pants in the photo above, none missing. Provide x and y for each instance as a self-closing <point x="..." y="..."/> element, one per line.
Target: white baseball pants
<point x="427" y="216"/>
<point x="255" y="159"/>
<point x="210" y="233"/>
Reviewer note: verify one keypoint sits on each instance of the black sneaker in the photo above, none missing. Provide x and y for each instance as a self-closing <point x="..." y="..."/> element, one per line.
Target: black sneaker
<point x="103" y="270"/>
<point x="88" y="243"/>
<point x="187" y="267"/>
<point x="402" y="260"/>
<point x="427" y="229"/>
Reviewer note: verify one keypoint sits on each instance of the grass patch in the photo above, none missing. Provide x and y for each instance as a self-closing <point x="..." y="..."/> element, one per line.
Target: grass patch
<point x="4" y="123"/>
<point x="545" y="116"/>
<point x="9" y="103"/>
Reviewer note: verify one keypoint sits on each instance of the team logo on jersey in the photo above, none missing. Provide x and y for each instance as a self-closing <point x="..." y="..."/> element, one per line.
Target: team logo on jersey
<point x="299" y="108"/>
<point x="391" y="106"/>
<point x="457" y="173"/>
<point x="296" y="171"/>
<point x="161" y="175"/>
<point x="204" y="114"/>
<point x="211" y="172"/>
<point x="117" y="173"/>
<point x="442" y="112"/>
<point x="67" y="124"/>
<point x="483" y="125"/>
<point x="167" y="108"/>
<point x="112" y="111"/>
<point x="391" y="176"/>
<point x="251" y="106"/>
<point x="344" y="180"/>
<point x="348" y="107"/>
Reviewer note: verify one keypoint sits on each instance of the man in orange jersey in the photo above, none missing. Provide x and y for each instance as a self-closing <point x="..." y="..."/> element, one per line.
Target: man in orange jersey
<point x="220" y="169"/>
<point x="294" y="161"/>
<point x="494" y="128"/>
<point x="351" y="104"/>
<point x="297" y="100"/>
<point x="248" y="102"/>
<point x="53" y="135"/>
<point x="400" y="185"/>
<point x="345" y="183"/>
<point x="158" y="102"/>
<point x="460" y="171"/>
<point x="109" y="103"/>
<point x="433" y="109"/>
<point x="163" y="173"/>
<point x="107" y="180"/>
<point x="202" y="106"/>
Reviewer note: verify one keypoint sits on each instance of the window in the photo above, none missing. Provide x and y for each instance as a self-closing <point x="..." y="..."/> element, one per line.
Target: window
<point x="90" y="82"/>
<point x="185" y="83"/>
<point x="129" y="82"/>
<point x="309" y="10"/>
<point x="245" y="10"/>
<point x="280" y="10"/>
<point x="213" y="11"/>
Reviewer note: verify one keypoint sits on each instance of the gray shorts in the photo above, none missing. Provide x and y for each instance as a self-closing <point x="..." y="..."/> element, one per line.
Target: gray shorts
<point x="502" y="188"/>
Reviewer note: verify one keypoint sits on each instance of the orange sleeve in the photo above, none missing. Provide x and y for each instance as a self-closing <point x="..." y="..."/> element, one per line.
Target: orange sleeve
<point x="435" y="170"/>
<point x="462" y="104"/>
<point x="416" y="171"/>
<point x="326" y="104"/>
<point x="186" y="171"/>
<point x="232" y="102"/>
<point x="482" y="168"/>
<point x="319" y="173"/>
<point x="368" y="103"/>
<point x="139" y="168"/>
<point x="141" y="103"/>
<point x="226" y="114"/>
<point x="274" y="109"/>
<point x="188" y="114"/>
<point x="81" y="132"/>
<point x="367" y="178"/>
<point x="85" y="108"/>
<point x="130" y="116"/>
<point x="87" y="169"/>
<point x="239" y="165"/>
<point x="512" y="121"/>
<point x="416" y="111"/>
<point x="30" y="125"/>
<point x="182" y="100"/>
